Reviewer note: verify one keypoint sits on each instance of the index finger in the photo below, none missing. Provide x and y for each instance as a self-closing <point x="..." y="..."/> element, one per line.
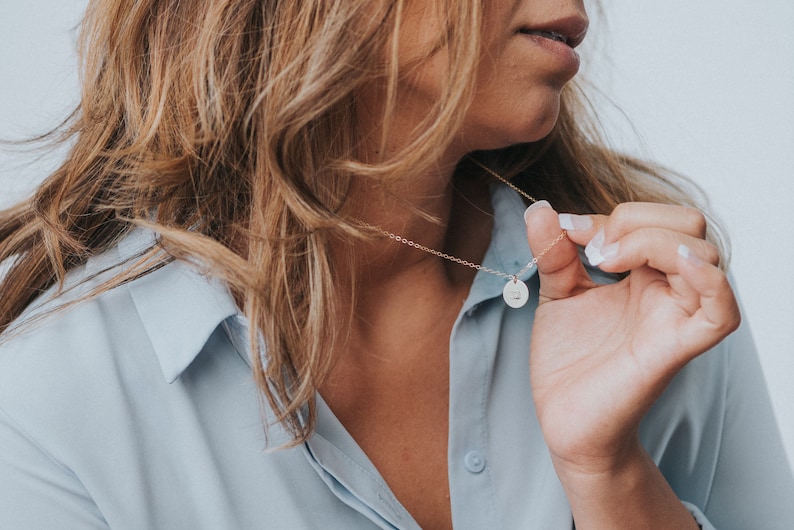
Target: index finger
<point x="631" y="216"/>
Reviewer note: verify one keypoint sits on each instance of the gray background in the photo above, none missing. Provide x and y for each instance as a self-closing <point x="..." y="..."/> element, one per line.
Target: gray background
<point x="704" y="87"/>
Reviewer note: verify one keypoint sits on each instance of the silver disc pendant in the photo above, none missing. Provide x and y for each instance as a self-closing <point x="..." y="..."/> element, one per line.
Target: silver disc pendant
<point x="515" y="293"/>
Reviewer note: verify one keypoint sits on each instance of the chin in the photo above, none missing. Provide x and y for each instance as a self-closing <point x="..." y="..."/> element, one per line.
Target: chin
<point x="517" y="123"/>
<point x="538" y="132"/>
<point x="539" y="123"/>
<point x="530" y="131"/>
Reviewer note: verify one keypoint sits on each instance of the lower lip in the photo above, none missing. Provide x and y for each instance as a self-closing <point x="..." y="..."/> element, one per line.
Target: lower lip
<point x="566" y="56"/>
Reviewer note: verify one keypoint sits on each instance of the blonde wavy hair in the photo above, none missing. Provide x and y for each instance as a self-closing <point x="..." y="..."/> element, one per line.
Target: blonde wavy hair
<point x="228" y="127"/>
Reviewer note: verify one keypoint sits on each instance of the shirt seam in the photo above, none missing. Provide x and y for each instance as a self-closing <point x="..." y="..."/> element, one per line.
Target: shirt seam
<point x="483" y="427"/>
<point x="484" y="424"/>
<point x="63" y="467"/>
<point x="22" y="431"/>
<point x="363" y="472"/>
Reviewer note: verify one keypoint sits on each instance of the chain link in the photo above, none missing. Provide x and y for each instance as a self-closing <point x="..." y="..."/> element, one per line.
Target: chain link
<point x="502" y="179"/>
<point x="460" y="261"/>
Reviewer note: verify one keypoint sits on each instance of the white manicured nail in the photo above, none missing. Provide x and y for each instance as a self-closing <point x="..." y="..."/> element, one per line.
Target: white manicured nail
<point x="610" y="251"/>
<point x="597" y="253"/>
<point x="593" y="249"/>
<point x="687" y="254"/>
<point x="535" y="206"/>
<point x="570" y="221"/>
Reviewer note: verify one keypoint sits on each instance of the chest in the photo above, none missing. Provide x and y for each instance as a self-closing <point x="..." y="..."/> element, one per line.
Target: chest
<point x="399" y="415"/>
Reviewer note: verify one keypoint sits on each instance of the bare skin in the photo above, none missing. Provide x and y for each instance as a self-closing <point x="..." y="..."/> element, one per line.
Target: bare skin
<point x="631" y="338"/>
<point x="390" y="387"/>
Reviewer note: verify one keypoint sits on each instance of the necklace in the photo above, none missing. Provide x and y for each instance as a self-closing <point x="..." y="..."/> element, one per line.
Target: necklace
<point x="515" y="292"/>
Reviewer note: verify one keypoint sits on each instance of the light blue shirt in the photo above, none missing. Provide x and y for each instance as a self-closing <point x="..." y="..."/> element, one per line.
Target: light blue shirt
<point x="137" y="409"/>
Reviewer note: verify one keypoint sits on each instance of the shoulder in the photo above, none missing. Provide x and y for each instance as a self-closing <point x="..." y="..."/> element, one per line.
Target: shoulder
<point x="101" y="400"/>
<point x="73" y="361"/>
<point x="714" y="435"/>
<point x="698" y="398"/>
<point x="701" y="414"/>
<point x="66" y="357"/>
<point x="711" y="387"/>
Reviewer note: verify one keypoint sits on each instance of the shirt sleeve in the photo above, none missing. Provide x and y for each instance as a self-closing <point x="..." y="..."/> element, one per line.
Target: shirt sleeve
<point x="714" y="436"/>
<point x="36" y="492"/>
<point x="752" y="486"/>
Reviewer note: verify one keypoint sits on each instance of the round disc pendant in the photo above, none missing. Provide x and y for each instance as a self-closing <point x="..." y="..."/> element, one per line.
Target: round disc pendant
<point x="515" y="293"/>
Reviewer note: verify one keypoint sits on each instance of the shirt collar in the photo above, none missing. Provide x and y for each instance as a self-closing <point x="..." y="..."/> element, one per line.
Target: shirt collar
<point x="178" y="306"/>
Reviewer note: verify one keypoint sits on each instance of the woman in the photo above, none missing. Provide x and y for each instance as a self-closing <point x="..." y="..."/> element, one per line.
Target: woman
<point x="312" y="193"/>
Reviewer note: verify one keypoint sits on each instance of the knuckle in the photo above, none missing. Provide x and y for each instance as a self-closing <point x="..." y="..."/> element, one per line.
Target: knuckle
<point x="731" y="322"/>
<point x="711" y="253"/>
<point x="622" y="211"/>
<point x="696" y="221"/>
<point x="737" y="319"/>
<point x="735" y="322"/>
<point x="620" y="218"/>
<point x="732" y="316"/>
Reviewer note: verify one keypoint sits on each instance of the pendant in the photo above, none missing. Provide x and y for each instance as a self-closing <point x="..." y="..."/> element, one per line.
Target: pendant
<point x="515" y="293"/>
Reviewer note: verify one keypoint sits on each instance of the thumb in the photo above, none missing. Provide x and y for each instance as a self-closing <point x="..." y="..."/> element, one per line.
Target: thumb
<point x="560" y="270"/>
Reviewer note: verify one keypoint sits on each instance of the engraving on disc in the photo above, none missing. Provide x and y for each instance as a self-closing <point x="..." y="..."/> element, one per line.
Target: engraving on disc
<point x="515" y="293"/>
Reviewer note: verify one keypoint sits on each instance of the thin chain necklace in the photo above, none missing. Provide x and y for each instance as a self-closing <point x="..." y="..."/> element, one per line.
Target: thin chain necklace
<point x="515" y="292"/>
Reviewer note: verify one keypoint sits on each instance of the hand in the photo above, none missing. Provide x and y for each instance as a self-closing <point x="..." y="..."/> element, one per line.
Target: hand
<point x="602" y="354"/>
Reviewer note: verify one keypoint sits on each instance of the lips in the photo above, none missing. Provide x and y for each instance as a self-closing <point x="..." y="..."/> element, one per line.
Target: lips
<point x="552" y="35"/>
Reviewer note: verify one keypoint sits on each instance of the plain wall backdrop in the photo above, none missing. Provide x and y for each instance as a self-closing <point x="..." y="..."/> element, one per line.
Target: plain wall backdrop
<point x="705" y="88"/>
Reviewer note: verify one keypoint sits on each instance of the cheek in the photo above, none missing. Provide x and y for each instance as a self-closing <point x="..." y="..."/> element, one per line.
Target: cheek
<point x="420" y="32"/>
<point x="426" y="81"/>
<point x="422" y="73"/>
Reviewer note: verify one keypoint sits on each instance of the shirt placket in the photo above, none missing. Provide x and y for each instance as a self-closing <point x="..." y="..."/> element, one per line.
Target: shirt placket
<point x="471" y="360"/>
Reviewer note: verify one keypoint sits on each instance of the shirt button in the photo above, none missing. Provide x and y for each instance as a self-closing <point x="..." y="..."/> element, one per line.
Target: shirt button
<point x="474" y="461"/>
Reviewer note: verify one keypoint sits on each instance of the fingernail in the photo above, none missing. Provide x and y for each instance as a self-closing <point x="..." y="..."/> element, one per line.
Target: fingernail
<point x="597" y="253"/>
<point x="687" y="254"/>
<point x="610" y="251"/>
<point x="535" y="206"/>
<point x="570" y="221"/>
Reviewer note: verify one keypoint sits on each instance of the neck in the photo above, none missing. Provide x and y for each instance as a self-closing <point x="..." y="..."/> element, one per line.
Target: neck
<point x="446" y="212"/>
<point x="424" y="206"/>
<point x="407" y="300"/>
<point x="434" y="207"/>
